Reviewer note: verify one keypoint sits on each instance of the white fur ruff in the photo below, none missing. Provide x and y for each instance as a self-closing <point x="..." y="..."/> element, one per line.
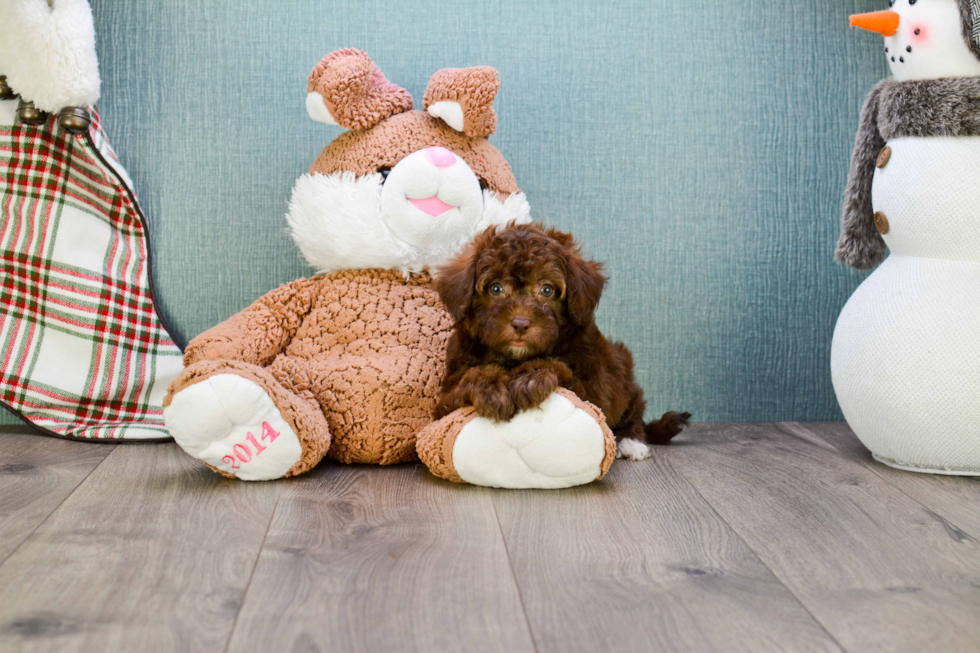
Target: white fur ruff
<point x="48" y="53"/>
<point x="337" y="222"/>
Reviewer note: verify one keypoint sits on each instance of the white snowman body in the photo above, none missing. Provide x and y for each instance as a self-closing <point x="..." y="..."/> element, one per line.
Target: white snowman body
<point x="905" y="359"/>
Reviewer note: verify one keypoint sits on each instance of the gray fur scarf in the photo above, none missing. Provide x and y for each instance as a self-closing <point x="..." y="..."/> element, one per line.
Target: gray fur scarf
<point x="939" y="107"/>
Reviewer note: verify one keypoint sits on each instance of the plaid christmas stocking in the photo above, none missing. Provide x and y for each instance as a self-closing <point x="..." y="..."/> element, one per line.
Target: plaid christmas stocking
<point x="83" y="352"/>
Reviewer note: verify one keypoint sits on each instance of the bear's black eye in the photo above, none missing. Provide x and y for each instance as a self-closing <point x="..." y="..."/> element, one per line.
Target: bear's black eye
<point x="384" y="172"/>
<point x="496" y="289"/>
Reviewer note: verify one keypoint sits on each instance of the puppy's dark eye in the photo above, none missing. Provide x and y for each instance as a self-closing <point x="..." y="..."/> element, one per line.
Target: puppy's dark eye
<point x="384" y="172"/>
<point x="496" y="289"/>
<point x="547" y="290"/>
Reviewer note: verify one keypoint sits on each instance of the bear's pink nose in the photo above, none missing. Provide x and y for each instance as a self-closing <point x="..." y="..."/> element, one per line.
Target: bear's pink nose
<point x="440" y="157"/>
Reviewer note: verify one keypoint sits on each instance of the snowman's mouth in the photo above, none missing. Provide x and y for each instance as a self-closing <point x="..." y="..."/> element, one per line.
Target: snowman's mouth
<point x="900" y="58"/>
<point x="431" y="205"/>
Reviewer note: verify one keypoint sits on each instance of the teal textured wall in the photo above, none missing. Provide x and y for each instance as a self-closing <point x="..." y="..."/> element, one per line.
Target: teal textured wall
<point x="698" y="147"/>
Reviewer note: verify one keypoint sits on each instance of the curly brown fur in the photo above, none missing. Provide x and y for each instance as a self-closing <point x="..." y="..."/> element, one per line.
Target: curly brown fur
<point x="475" y="89"/>
<point x="935" y="107"/>
<point x="355" y="91"/>
<point x="364" y="152"/>
<point x="523" y="300"/>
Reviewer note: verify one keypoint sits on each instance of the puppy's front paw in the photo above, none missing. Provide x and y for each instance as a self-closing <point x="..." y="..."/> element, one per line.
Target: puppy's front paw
<point x="530" y="390"/>
<point x="632" y="449"/>
<point x="493" y="402"/>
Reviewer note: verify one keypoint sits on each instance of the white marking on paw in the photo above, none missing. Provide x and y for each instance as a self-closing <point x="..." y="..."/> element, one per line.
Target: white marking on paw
<point x="232" y="424"/>
<point x="632" y="449"/>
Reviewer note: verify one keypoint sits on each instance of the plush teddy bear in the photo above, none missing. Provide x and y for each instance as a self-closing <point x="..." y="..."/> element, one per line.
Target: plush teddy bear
<point x="347" y="364"/>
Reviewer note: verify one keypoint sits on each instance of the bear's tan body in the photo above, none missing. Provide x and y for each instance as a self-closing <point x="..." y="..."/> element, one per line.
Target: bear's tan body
<point x="365" y="348"/>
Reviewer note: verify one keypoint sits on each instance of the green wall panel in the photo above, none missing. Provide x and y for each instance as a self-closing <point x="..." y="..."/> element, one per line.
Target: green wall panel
<point x="698" y="147"/>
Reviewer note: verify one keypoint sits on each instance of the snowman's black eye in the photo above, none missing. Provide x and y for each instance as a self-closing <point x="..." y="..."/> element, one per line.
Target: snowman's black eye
<point x="912" y="2"/>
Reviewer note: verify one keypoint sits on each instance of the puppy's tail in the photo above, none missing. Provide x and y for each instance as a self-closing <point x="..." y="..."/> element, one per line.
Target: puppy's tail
<point x="662" y="431"/>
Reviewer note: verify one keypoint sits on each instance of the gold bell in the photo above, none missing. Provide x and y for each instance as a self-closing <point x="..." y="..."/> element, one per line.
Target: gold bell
<point x="74" y="120"/>
<point x="6" y="93"/>
<point x="27" y="112"/>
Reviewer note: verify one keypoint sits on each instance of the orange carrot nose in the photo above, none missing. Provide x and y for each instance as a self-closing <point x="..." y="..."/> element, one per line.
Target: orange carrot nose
<point x="883" y="22"/>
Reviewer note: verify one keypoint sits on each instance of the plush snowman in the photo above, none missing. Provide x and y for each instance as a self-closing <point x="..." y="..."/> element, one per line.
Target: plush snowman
<point x="905" y="359"/>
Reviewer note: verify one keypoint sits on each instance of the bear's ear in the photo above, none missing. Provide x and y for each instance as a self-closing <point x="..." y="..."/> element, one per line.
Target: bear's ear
<point x="347" y="89"/>
<point x="463" y="99"/>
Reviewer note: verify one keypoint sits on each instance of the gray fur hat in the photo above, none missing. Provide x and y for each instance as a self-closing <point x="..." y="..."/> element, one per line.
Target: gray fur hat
<point x="970" y="17"/>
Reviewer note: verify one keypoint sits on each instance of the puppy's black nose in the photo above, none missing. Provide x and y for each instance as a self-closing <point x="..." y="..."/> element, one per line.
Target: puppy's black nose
<point x="521" y="325"/>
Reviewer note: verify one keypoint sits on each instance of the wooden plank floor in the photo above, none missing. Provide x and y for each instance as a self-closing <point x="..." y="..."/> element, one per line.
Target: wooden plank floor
<point x="740" y="537"/>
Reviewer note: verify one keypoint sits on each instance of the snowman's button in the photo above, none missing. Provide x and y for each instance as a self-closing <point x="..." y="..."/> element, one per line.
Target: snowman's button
<point x="883" y="157"/>
<point x="881" y="223"/>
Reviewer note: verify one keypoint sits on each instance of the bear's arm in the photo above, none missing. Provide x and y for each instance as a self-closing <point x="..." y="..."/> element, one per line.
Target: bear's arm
<point x="259" y="333"/>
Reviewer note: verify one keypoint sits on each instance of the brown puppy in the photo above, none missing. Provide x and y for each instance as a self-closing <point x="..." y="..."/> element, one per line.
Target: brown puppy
<point x="523" y="300"/>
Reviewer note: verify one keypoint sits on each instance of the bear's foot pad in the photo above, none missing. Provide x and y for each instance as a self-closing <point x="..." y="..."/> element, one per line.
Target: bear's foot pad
<point x="556" y="445"/>
<point x="232" y="424"/>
